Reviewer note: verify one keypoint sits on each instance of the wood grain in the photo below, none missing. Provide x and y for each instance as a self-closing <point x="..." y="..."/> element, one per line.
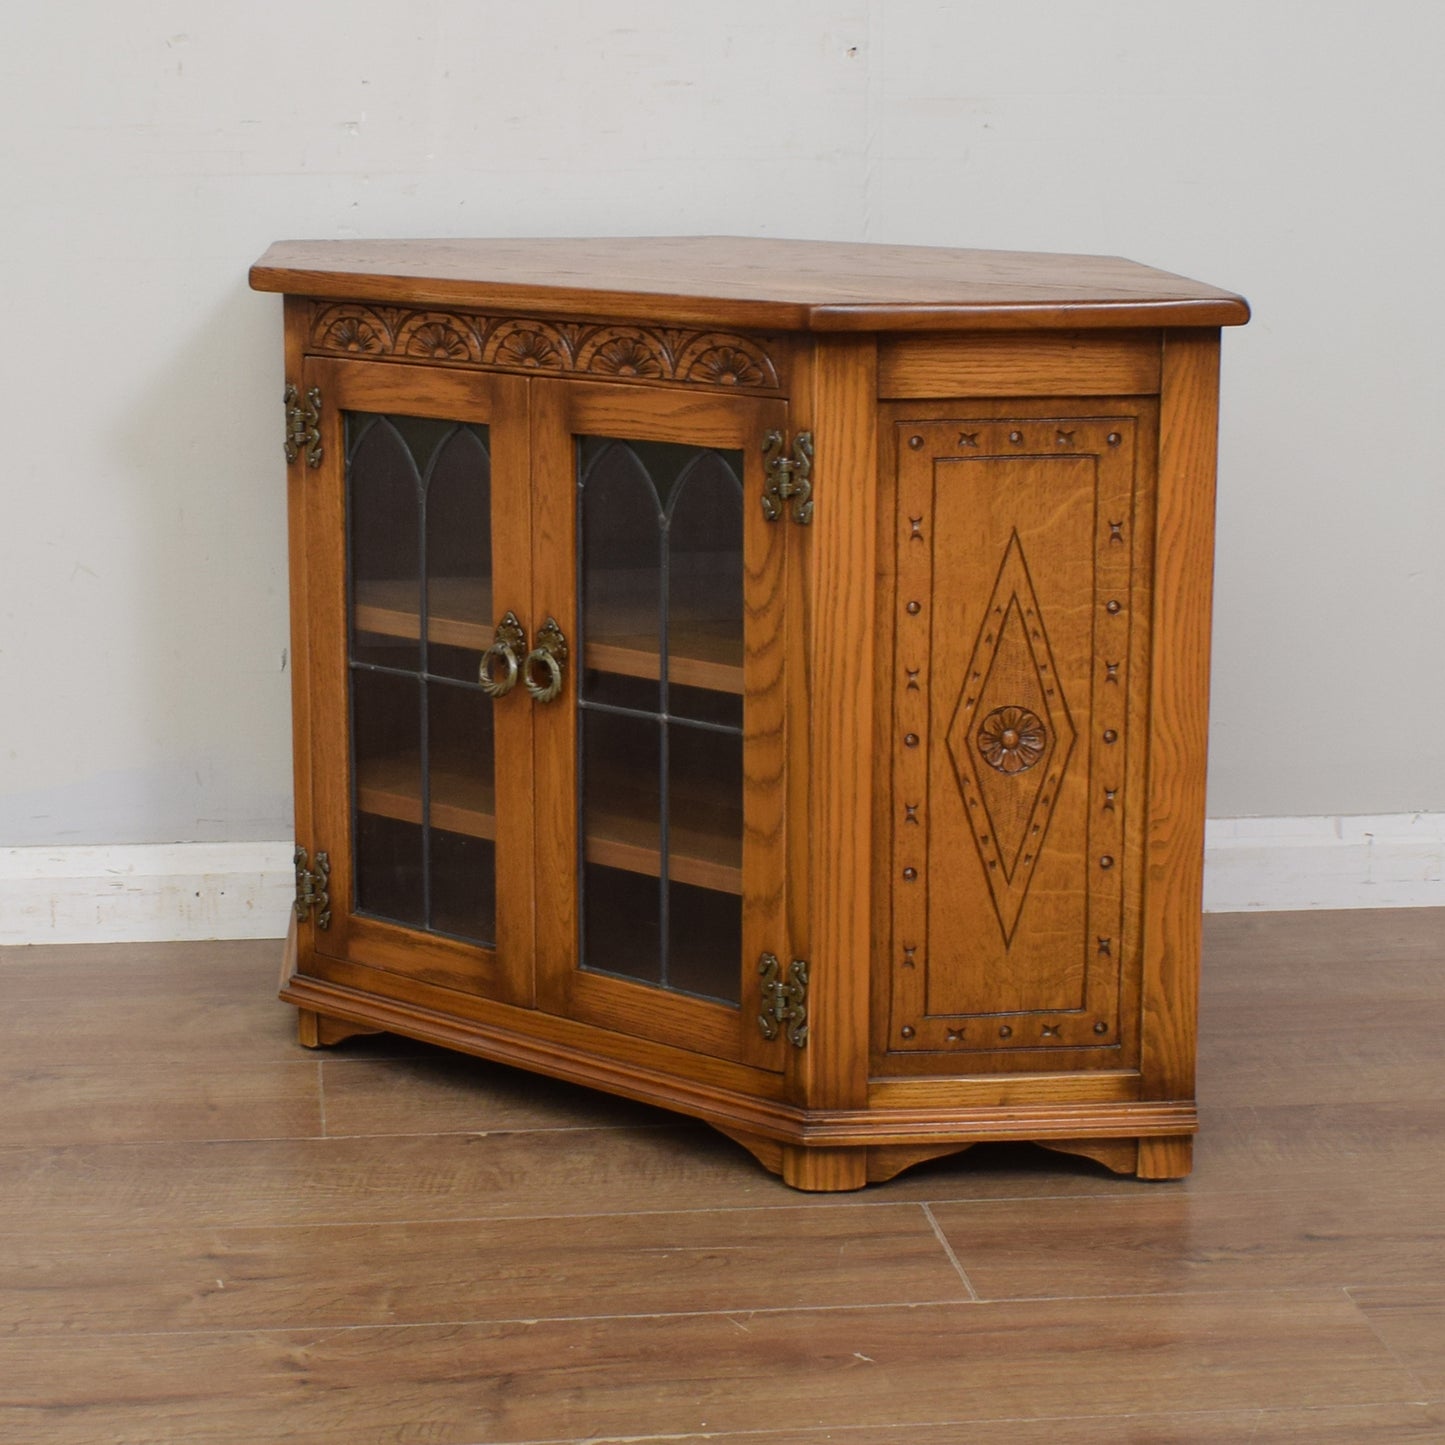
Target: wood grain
<point x="1347" y="1425"/>
<point x="214" y="1098"/>
<point x="500" y="403"/>
<point x="214" y="1278"/>
<point x="655" y="1376"/>
<point x="565" y="1266"/>
<point x="751" y="282"/>
<point x="1410" y="1319"/>
<point x="715" y="846"/>
<point x="1146" y="1243"/>
<point x="1094" y="380"/>
<point x="1032" y="364"/>
<point x="841" y="582"/>
<point x="1018" y="573"/>
<point x="1179" y="710"/>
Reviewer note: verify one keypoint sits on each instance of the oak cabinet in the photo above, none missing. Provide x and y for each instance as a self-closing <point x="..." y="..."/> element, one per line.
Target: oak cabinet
<point x="765" y="679"/>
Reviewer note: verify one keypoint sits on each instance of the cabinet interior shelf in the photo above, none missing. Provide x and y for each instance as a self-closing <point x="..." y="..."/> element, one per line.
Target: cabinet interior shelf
<point x="702" y="652"/>
<point x="705" y="838"/>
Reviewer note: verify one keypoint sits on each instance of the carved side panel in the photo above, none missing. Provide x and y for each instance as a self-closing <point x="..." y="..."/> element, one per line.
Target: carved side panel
<point x="723" y="360"/>
<point x="1018" y="651"/>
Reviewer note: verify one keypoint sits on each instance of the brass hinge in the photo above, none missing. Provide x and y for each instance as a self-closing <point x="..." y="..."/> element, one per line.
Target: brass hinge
<point x="311" y="888"/>
<point x="785" y="1000"/>
<point x="303" y="424"/>
<point x="789" y="479"/>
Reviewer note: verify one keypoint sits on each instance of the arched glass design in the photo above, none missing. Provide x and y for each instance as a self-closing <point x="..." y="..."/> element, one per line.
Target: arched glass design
<point x="660" y="702"/>
<point x="418" y="513"/>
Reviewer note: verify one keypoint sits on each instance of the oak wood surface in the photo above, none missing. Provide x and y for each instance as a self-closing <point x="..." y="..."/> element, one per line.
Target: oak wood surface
<point x="1067" y="349"/>
<point x="1179" y="710"/>
<point x="754" y="282"/>
<point x="1015" y="656"/>
<point x="499" y="402"/>
<point x="1030" y="364"/>
<point x="714" y="847"/>
<point x="840" y="650"/>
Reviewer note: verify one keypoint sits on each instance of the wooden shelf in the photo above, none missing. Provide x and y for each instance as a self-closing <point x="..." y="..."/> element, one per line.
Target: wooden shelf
<point x="705" y="836"/>
<point x="458" y="610"/>
<point x="703" y="652"/>
<point x="461" y="801"/>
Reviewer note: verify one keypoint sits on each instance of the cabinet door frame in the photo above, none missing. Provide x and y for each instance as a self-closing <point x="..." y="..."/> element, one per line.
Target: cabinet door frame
<point x="503" y="972"/>
<point x="562" y="411"/>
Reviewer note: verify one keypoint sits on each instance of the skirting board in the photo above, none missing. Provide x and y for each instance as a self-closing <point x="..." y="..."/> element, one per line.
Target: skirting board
<point x="1390" y="860"/>
<point x="145" y="892"/>
<point x="148" y="893"/>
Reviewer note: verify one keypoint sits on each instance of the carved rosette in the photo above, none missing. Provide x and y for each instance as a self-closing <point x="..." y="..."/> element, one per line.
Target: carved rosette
<point x="724" y="360"/>
<point x="1012" y="739"/>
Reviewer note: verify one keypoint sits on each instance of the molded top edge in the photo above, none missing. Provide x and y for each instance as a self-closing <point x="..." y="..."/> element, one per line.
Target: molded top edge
<point x="753" y="282"/>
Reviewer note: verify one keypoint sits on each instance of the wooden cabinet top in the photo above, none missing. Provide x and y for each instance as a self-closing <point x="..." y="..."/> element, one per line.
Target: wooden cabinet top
<point x="753" y="282"/>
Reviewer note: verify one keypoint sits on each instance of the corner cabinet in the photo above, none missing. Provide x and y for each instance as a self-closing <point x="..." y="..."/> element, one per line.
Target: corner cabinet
<point x="765" y="679"/>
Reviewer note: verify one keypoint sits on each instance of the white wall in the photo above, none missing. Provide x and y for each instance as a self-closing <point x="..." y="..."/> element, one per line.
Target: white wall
<point x="150" y="150"/>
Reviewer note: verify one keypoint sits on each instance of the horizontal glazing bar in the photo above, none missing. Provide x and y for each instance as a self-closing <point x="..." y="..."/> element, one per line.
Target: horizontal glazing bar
<point x="412" y="673"/>
<point x="671" y="719"/>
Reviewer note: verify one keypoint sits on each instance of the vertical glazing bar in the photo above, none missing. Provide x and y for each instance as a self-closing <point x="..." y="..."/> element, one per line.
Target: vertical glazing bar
<point x="664" y="909"/>
<point x="423" y="687"/>
<point x="579" y="802"/>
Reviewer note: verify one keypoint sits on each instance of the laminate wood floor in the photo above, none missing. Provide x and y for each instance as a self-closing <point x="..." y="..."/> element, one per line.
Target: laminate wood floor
<point x="209" y="1234"/>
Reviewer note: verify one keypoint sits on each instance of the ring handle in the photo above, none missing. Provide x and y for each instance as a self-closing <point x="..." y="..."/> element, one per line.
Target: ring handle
<point x="510" y="640"/>
<point x="549" y="653"/>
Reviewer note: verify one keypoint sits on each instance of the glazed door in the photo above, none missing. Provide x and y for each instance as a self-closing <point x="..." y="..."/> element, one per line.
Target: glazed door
<point x="418" y="548"/>
<point x="1020" y="620"/>
<point x="659" y="761"/>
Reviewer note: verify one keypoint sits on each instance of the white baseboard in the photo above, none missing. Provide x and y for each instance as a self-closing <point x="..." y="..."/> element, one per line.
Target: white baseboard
<point x="1391" y="860"/>
<point x="145" y="893"/>
<point x="148" y="893"/>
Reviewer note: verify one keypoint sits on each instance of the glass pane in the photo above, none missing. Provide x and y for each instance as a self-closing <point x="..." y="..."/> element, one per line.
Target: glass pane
<point x="660" y="584"/>
<point x="620" y="932"/>
<point x="384" y="517"/>
<point x="459" y="554"/>
<point x="704" y="861"/>
<point x="418" y="501"/>
<point x="621" y="557"/>
<point x="705" y="583"/>
<point x="386" y="743"/>
<point x="705" y="934"/>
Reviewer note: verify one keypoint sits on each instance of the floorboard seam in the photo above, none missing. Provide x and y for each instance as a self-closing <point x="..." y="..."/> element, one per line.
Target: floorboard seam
<point x="947" y="1248"/>
<point x="1389" y="1349"/>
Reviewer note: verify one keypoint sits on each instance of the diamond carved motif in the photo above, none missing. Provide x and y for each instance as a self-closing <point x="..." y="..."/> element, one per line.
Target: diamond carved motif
<point x="1011" y="737"/>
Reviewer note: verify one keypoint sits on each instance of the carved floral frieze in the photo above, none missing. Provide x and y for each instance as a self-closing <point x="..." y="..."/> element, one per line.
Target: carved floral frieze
<point x="722" y="359"/>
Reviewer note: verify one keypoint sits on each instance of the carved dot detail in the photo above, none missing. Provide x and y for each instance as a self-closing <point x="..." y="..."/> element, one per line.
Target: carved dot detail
<point x="907" y="1031"/>
<point x="914" y="608"/>
<point x="910" y="740"/>
<point x="1107" y="861"/>
<point x="1113" y="608"/>
<point x="1110" y="736"/>
<point x="1101" y="1028"/>
<point x="1114" y="438"/>
<point x="1016" y="437"/>
<point x="1005" y="1032"/>
<point x="910" y="875"/>
<point x="915" y="442"/>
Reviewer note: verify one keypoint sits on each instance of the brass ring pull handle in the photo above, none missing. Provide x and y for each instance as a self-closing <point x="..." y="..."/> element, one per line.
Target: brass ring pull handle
<point x="510" y="641"/>
<point x="549" y="654"/>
